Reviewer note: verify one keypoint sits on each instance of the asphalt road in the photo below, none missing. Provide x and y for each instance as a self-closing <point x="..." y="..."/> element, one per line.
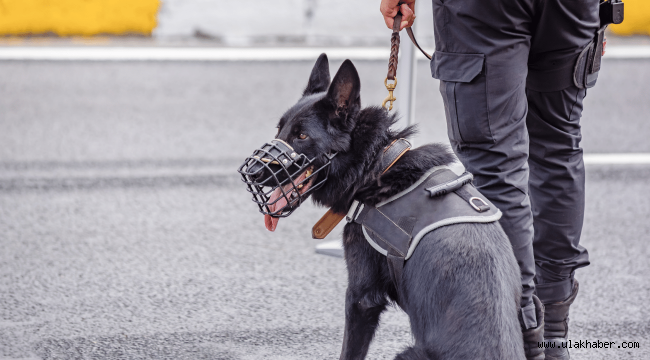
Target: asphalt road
<point x="126" y="233"/>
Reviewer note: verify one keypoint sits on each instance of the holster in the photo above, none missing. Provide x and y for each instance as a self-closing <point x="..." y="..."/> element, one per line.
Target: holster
<point x="587" y="66"/>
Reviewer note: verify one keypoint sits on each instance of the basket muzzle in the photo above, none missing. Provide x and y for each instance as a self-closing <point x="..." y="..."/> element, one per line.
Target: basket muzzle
<point x="280" y="178"/>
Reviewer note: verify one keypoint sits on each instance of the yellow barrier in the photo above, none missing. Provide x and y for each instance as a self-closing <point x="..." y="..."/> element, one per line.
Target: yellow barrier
<point x="119" y="17"/>
<point x="78" y="17"/>
<point x="636" y="19"/>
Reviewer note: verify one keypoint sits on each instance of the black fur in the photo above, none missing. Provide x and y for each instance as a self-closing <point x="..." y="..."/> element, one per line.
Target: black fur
<point x="461" y="286"/>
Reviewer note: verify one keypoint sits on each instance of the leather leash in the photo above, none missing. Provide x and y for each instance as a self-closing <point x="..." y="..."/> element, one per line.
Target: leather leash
<point x="392" y="60"/>
<point x="389" y="157"/>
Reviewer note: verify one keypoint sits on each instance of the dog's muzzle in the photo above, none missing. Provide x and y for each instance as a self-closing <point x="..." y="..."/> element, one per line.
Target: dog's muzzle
<point x="280" y="179"/>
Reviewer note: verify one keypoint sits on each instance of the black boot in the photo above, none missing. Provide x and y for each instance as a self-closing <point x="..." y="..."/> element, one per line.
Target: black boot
<point x="556" y="327"/>
<point x="534" y="336"/>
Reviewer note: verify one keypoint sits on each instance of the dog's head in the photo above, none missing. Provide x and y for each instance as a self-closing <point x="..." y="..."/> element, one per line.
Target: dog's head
<point x="285" y="172"/>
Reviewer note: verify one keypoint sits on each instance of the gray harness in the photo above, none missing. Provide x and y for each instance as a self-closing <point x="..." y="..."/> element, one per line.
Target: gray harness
<point x="395" y="226"/>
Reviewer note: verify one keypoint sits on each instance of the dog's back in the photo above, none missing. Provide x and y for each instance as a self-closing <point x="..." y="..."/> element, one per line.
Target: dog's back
<point x="461" y="290"/>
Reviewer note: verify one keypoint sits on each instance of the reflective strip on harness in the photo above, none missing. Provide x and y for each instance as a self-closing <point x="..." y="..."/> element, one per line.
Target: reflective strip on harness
<point x="450" y="221"/>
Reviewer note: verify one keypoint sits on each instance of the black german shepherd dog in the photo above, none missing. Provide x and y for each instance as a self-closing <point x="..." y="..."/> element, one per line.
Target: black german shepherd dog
<point x="461" y="287"/>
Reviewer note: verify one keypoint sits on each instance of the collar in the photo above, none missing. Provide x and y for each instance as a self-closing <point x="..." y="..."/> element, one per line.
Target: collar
<point x="389" y="157"/>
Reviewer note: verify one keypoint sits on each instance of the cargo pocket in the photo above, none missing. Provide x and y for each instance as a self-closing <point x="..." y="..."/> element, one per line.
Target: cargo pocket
<point x="464" y="92"/>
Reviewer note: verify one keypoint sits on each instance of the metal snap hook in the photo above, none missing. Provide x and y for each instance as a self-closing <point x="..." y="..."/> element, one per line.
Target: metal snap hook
<point x="390" y="98"/>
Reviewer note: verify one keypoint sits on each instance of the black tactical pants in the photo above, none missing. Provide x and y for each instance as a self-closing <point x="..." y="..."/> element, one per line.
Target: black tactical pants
<point x="513" y="112"/>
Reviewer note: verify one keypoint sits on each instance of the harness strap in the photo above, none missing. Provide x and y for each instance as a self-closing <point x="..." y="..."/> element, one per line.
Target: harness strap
<point x="375" y="221"/>
<point x="385" y="228"/>
<point x="396" y="269"/>
<point x="389" y="157"/>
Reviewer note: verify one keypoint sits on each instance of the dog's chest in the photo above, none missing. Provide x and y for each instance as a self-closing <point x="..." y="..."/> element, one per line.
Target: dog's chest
<point x="395" y="226"/>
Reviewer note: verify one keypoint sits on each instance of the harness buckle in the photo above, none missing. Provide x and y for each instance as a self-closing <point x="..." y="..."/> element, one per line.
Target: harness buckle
<point x="354" y="211"/>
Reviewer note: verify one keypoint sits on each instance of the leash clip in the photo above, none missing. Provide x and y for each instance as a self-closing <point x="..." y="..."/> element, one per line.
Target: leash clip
<point x="390" y="98"/>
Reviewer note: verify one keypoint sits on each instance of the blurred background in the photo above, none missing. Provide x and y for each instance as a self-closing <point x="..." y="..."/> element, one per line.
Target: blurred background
<point x="222" y="23"/>
<point x="125" y="232"/>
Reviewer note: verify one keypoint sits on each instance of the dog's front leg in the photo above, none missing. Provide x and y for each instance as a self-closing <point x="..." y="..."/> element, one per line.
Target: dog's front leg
<point x="366" y="296"/>
<point x="361" y="320"/>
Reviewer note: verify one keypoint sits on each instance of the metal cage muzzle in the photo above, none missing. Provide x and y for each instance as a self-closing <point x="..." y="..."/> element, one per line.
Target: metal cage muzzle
<point x="276" y="165"/>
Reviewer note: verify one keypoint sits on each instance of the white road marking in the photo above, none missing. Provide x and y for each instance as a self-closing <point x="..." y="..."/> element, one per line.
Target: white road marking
<point x="186" y="54"/>
<point x="94" y="53"/>
<point x="112" y="171"/>
<point x="627" y="52"/>
<point x="617" y="159"/>
<point x="97" y="171"/>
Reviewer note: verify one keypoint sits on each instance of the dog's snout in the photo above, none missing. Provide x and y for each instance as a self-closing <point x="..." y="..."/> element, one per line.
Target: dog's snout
<point x="255" y="171"/>
<point x="258" y="175"/>
<point x="262" y="174"/>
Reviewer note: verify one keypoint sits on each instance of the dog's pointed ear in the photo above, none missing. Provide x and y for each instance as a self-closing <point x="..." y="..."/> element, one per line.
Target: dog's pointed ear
<point x="344" y="91"/>
<point x="319" y="79"/>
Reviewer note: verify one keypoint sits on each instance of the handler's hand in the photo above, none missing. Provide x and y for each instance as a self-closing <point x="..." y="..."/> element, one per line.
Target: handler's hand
<point x="389" y="8"/>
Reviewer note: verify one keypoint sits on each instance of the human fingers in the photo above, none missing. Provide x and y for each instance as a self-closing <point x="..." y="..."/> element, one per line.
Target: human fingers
<point x="408" y="15"/>
<point x="388" y="9"/>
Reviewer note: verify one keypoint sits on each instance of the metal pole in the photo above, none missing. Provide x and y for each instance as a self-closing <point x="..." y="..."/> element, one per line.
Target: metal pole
<point x="406" y="75"/>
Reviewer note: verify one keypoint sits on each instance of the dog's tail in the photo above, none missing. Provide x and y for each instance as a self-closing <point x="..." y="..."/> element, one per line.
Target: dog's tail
<point x="416" y="353"/>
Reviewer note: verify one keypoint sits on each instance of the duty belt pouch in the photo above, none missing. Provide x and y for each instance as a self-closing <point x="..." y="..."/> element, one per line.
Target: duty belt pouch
<point x="586" y="69"/>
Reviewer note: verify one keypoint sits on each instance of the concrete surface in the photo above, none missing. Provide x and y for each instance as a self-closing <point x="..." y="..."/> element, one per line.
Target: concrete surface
<point x="126" y="233"/>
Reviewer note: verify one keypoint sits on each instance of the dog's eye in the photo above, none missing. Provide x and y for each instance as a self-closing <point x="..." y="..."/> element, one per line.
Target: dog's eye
<point x="302" y="136"/>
